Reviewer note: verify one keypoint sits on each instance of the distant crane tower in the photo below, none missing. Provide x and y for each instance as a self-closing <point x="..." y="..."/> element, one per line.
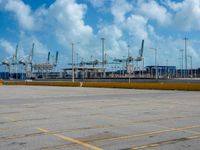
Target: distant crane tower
<point x="129" y="59"/>
<point x="56" y="60"/>
<point x="29" y="63"/>
<point x="7" y="64"/>
<point x="140" y="56"/>
<point x="11" y="62"/>
<point x="30" y="59"/>
<point x="48" y="57"/>
<point x="14" y="62"/>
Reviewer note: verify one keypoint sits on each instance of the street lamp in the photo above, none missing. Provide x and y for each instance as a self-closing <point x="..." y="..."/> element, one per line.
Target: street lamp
<point x="186" y="72"/>
<point x="167" y="68"/>
<point x="181" y="50"/>
<point x="77" y="60"/>
<point x="73" y="44"/>
<point x="155" y="49"/>
<point x="123" y="61"/>
<point x="128" y="51"/>
<point x="142" y="66"/>
<point x="103" y="55"/>
<point x="191" y="74"/>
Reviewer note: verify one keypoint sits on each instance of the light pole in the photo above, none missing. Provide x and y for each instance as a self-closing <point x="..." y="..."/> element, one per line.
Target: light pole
<point x="167" y="68"/>
<point x="142" y="66"/>
<point x="72" y="44"/>
<point x="103" y="54"/>
<point x="179" y="73"/>
<point x="123" y="61"/>
<point x="191" y="74"/>
<point x="128" y="63"/>
<point x="181" y="50"/>
<point x="186" y="72"/>
<point x="156" y="67"/>
<point x="128" y="51"/>
<point x="77" y="59"/>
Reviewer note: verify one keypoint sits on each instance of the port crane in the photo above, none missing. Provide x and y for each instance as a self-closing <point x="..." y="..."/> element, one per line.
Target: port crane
<point x="130" y="59"/>
<point x="27" y="62"/>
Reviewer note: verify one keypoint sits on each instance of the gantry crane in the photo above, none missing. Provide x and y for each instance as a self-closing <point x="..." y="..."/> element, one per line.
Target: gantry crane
<point x="130" y="59"/>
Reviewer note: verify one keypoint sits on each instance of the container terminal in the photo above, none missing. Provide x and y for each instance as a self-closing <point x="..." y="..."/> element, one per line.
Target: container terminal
<point x="116" y="69"/>
<point x="89" y="106"/>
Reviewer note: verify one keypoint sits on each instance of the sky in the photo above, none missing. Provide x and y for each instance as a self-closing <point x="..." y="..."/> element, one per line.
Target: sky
<point x="54" y="24"/>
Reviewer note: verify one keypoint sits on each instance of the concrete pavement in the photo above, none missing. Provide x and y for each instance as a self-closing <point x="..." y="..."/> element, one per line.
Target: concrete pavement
<point x="72" y="118"/>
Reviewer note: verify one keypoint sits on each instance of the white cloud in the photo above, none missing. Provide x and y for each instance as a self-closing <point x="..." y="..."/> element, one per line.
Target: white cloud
<point x="67" y="19"/>
<point x="97" y="3"/>
<point x="7" y="46"/>
<point x="63" y="22"/>
<point x="154" y="11"/>
<point x="187" y="17"/>
<point x="22" y="13"/>
<point x="172" y="5"/>
<point x="186" y="14"/>
<point x="119" y="9"/>
<point x="40" y="49"/>
<point x="137" y="26"/>
<point x="114" y="44"/>
<point x="2" y="3"/>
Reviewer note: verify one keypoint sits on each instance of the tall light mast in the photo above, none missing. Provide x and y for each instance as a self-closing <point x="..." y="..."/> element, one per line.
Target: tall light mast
<point x="186" y="72"/>
<point x="103" y="55"/>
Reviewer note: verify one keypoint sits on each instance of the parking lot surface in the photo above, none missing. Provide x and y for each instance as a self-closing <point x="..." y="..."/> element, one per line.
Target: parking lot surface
<point x="76" y="118"/>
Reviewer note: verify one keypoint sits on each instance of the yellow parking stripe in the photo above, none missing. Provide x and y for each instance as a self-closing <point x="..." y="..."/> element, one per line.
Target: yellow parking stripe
<point x="151" y="133"/>
<point x="71" y="140"/>
<point x="165" y="142"/>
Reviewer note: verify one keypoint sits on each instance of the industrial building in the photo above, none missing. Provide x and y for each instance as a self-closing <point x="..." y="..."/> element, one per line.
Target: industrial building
<point x="163" y="71"/>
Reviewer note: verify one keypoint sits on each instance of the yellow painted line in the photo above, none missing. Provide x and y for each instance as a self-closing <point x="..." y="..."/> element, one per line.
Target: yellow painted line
<point x="150" y="133"/>
<point x="165" y="142"/>
<point x="152" y="120"/>
<point x="78" y="142"/>
<point x="10" y="119"/>
<point x="126" y="137"/>
<point x="71" y="140"/>
<point x="193" y="132"/>
<point x="43" y="130"/>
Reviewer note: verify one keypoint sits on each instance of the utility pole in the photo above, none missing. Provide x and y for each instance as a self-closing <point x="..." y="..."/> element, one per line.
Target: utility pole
<point x="72" y="44"/>
<point x="128" y="51"/>
<point x="103" y="54"/>
<point x="186" y="72"/>
<point x="179" y="74"/>
<point x="15" y="63"/>
<point x="191" y="74"/>
<point x="167" y="70"/>
<point x="92" y="62"/>
<point x="142" y="66"/>
<point x="181" y="50"/>
<point x="72" y="62"/>
<point x="156" y="67"/>
<point x="123" y="61"/>
<point x="77" y="59"/>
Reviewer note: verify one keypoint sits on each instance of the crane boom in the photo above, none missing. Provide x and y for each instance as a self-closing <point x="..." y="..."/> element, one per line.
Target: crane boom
<point x="31" y="54"/>
<point x="139" y="58"/>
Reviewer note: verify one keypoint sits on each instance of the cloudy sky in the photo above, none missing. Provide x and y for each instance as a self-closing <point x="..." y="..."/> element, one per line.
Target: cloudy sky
<point x="53" y="24"/>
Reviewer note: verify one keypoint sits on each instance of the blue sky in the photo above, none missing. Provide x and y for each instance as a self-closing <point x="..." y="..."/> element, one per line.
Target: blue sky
<point x="53" y="24"/>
